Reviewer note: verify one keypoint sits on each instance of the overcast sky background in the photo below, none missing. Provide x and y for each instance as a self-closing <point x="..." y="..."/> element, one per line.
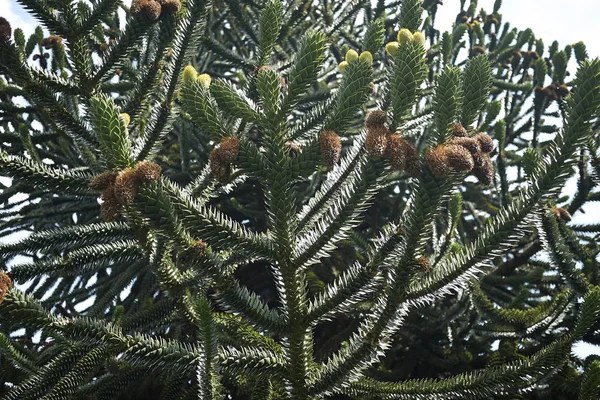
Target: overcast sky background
<point x="565" y="21"/>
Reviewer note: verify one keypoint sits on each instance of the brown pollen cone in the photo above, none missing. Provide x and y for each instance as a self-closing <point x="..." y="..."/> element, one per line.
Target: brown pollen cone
<point x="458" y="130"/>
<point x="484" y="169"/>
<point x="5" y="30"/>
<point x="413" y="162"/>
<point x="477" y="50"/>
<point x="126" y="185"/>
<point x="5" y="285"/>
<point x="220" y="159"/>
<point x="170" y="6"/>
<point x="229" y="148"/>
<point x="424" y="263"/>
<point x="293" y="148"/>
<point x="562" y="214"/>
<point x="471" y="144"/>
<point x="147" y="171"/>
<point x="219" y="168"/>
<point x="402" y="155"/>
<point x="485" y="142"/>
<point x="562" y="90"/>
<point x="376" y="140"/>
<point x="199" y="246"/>
<point x="376" y="118"/>
<point x="103" y="180"/>
<point x="110" y="208"/>
<point x="459" y="158"/>
<point x="331" y="147"/>
<point x="437" y="161"/>
<point x="146" y="8"/>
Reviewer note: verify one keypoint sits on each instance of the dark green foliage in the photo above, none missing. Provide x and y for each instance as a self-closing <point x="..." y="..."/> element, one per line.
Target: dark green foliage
<point x="258" y="265"/>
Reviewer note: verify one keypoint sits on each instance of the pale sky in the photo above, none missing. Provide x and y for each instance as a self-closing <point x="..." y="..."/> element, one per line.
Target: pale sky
<point x="565" y="21"/>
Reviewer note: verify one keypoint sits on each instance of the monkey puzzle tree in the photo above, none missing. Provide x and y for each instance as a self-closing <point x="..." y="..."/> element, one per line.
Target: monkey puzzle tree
<point x="335" y="201"/>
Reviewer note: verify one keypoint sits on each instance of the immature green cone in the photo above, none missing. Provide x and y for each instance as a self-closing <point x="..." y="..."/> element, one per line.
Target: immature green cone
<point x="418" y="38"/>
<point x="484" y="168"/>
<point x="404" y="36"/>
<point x="351" y="56"/>
<point x="459" y="158"/>
<point x="485" y="142"/>
<point x="204" y="80"/>
<point x="331" y="147"/>
<point x="342" y="66"/>
<point x="5" y="30"/>
<point x="126" y="185"/>
<point x="147" y="171"/>
<point x="146" y="8"/>
<point x="5" y="285"/>
<point x="471" y="144"/>
<point x="189" y="74"/>
<point x="392" y="48"/>
<point x="367" y="57"/>
<point x="437" y="161"/>
<point x="126" y="118"/>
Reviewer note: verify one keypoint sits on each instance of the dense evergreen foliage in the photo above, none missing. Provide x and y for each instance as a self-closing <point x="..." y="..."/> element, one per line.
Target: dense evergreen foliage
<point x="268" y="199"/>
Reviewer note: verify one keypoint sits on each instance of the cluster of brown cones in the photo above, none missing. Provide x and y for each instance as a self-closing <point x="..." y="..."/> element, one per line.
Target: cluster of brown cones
<point x="221" y="158"/>
<point x="554" y="91"/>
<point x="463" y="153"/>
<point x="152" y="9"/>
<point x="381" y="142"/>
<point x="119" y="188"/>
<point x="5" y="285"/>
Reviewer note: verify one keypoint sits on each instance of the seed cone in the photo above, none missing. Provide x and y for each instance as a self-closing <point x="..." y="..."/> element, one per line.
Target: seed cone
<point x="484" y="169"/>
<point x="437" y="161"/>
<point x="147" y="171"/>
<point x="126" y="185"/>
<point x="5" y="285"/>
<point x="331" y="147"/>
<point x="485" y="142"/>
<point x="471" y="144"/>
<point x="562" y="214"/>
<point x="376" y="118"/>
<point x="103" y="180"/>
<point x="376" y="140"/>
<point x="458" y="130"/>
